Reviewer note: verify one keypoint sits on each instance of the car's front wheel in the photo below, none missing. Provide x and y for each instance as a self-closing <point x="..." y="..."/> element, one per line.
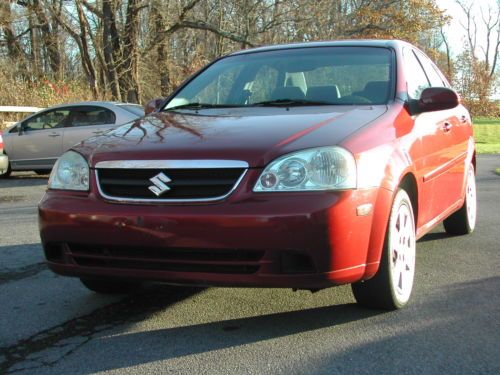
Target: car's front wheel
<point x="104" y="286"/>
<point x="464" y="220"/>
<point x="391" y="287"/>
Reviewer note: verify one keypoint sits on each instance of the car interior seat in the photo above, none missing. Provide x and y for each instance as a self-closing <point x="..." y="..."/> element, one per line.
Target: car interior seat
<point x="79" y="119"/>
<point x="103" y="118"/>
<point x="328" y="94"/>
<point x="377" y="92"/>
<point x="288" y="92"/>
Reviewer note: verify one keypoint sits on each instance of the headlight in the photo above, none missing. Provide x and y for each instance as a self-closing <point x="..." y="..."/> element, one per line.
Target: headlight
<point x="324" y="168"/>
<point x="71" y="172"/>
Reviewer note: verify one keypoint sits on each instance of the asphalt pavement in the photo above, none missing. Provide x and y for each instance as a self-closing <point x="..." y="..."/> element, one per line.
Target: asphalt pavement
<point x="53" y="325"/>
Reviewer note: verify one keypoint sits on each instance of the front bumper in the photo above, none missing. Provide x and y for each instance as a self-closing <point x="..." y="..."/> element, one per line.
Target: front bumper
<point x="296" y="240"/>
<point x="4" y="163"/>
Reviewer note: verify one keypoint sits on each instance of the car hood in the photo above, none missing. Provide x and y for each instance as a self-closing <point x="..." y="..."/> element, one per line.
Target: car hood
<point x="254" y="135"/>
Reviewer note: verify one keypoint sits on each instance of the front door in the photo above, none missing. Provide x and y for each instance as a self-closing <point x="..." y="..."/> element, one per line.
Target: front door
<point x="39" y="143"/>
<point x="441" y="164"/>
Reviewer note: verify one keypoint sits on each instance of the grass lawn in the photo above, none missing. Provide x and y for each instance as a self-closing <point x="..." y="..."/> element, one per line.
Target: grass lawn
<point x="487" y="135"/>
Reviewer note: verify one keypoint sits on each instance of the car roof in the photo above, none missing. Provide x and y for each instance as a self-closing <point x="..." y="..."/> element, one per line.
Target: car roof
<point x="384" y="43"/>
<point x="107" y="104"/>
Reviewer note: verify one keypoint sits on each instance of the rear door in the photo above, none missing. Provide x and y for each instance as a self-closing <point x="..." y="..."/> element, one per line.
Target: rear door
<point x="39" y="142"/>
<point x="86" y="122"/>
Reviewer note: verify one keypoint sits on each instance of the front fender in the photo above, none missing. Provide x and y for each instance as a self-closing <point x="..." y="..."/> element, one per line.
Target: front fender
<point x="384" y="168"/>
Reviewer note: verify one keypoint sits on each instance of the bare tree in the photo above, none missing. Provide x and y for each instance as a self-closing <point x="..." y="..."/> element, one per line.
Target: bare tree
<point x="479" y="61"/>
<point x="132" y="50"/>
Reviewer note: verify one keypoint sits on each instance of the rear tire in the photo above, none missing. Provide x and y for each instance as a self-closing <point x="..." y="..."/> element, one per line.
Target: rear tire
<point x="103" y="286"/>
<point x="464" y="220"/>
<point x="391" y="287"/>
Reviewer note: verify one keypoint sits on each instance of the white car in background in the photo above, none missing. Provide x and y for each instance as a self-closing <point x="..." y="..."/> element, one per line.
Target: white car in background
<point x="36" y="142"/>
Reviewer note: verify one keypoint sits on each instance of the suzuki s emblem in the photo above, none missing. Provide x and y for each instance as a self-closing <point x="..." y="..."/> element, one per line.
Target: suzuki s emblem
<point x="159" y="184"/>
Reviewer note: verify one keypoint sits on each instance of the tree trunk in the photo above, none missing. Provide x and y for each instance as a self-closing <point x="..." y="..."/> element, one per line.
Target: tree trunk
<point x="49" y="38"/>
<point x="161" y="51"/>
<point x="14" y="49"/>
<point x="34" y="45"/>
<point x="130" y="80"/>
<point x="110" y="39"/>
<point x="87" y="62"/>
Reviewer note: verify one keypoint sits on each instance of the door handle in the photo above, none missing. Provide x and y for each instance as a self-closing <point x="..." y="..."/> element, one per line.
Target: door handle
<point x="54" y="135"/>
<point x="446" y="127"/>
<point x="98" y="132"/>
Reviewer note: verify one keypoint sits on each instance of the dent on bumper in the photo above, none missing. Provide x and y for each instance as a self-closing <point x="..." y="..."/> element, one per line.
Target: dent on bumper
<point x="306" y="240"/>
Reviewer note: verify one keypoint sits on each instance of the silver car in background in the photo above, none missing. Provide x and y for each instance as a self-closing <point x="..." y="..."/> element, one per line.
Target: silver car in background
<point x="36" y="142"/>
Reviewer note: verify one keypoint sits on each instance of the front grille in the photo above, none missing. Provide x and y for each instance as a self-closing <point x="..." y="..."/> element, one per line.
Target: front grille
<point x="185" y="184"/>
<point x="172" y="259"/>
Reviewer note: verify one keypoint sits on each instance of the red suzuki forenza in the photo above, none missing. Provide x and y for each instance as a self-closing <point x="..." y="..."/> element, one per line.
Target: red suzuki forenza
<point x="301" y="166"/>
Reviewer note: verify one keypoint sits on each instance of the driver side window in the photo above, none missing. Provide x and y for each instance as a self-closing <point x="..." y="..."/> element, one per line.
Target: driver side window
<point x="47" y="120"/>
<point x="416" y="79"/>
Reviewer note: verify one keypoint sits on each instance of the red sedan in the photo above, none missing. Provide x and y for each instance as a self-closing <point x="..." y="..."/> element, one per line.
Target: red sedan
<point x="300" y="166"/>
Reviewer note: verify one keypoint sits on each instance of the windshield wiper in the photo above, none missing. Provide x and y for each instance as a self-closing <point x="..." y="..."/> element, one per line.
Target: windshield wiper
<point x="196" y="106"/>
<point x="289" y="103"/>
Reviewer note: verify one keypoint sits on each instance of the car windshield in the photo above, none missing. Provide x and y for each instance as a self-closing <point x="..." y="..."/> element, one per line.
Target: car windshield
<point x="291" y="77"/>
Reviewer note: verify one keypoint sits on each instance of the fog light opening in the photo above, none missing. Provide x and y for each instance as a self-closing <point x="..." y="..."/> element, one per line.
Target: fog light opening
<point x="54" y="253"/>
<point x="295" y="263"/>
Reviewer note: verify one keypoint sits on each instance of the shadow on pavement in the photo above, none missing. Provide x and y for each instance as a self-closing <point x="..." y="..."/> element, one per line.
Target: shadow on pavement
<point x="21" y="179"/>
<point x="408" y="342"/>
<point x="69" y="336"/>
<point x="434" y="236"/>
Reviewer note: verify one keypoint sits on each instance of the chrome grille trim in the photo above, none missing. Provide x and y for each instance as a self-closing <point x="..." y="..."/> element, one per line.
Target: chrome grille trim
<point x="169" y="164"/>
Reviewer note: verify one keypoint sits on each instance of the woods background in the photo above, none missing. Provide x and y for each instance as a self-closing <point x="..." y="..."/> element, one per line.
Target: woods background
<point x="55" y="51"/>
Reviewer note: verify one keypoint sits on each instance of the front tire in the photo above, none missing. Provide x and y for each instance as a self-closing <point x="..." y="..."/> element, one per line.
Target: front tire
<point x="104" y="286"/>
<point x="464" y="220"/>
<point x="391" y="287"/>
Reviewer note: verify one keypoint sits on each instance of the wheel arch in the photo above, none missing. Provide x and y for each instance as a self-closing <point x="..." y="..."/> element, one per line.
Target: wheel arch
<point x="382" y="210"/>
<point x="409" y="184"/>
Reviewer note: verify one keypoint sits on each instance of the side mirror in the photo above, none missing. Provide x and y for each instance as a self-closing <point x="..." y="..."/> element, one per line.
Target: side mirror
<point x="435" y="99"/>
<point x="152" y="105"/>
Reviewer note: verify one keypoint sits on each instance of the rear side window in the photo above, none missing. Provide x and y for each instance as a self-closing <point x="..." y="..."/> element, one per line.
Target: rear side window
<point x="47" y="120"/>
<point x="88" y="116"/>
<point x="416" y="79"/>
